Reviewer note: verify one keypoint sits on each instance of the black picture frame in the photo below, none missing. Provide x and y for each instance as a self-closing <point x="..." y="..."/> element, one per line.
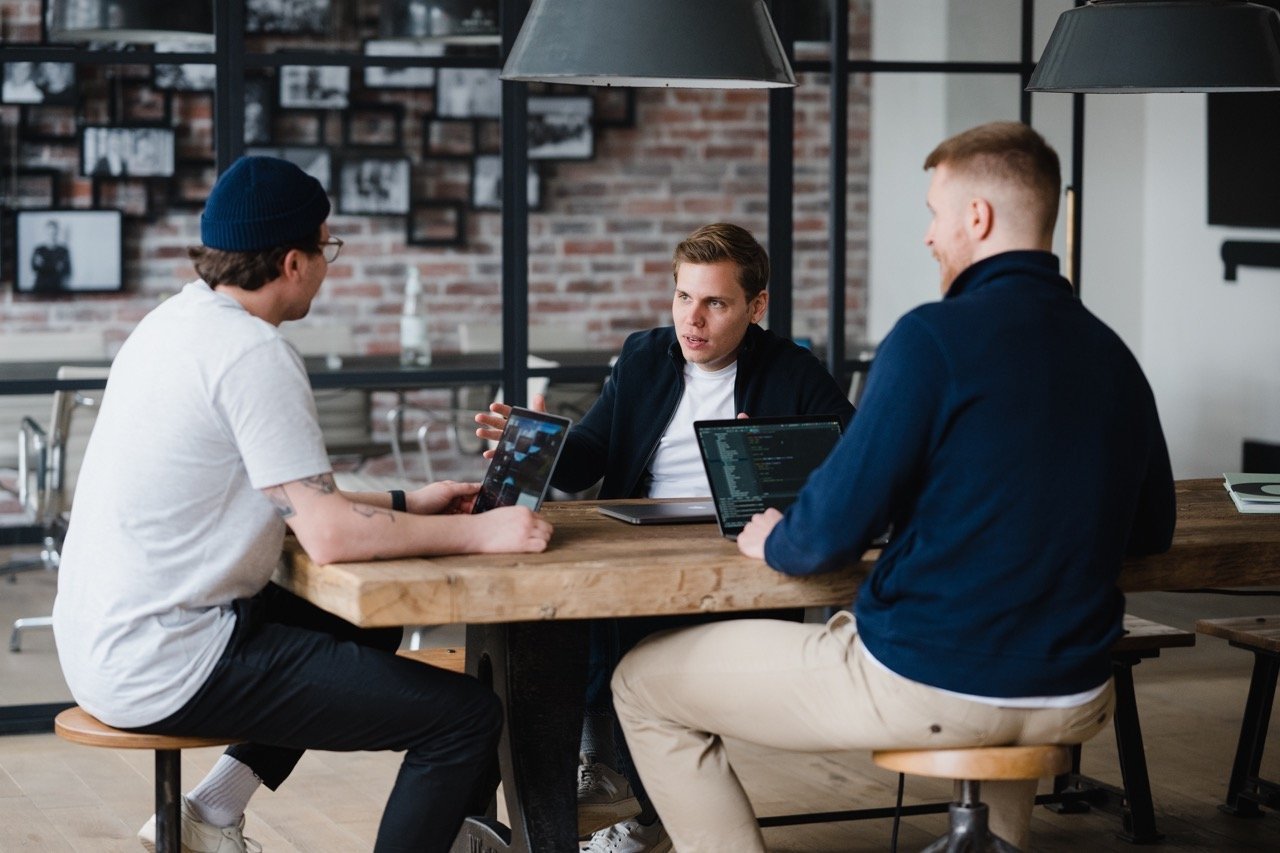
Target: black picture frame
<point x="127" y="151"/>
<point x="456" y="21"/>
<point x="39" y="84"/>
<point x="326" y="87"/>
<point x="289" y="17"/>
<point x="191" y="182"/>
<point x="401" y="77"/>
<point x="186" y="76"/>
<point x="31" y="187"/>
<point x="373" y="124"/>
<point x="141" y="199"/>
<point x="259" y="111"/>
<point x="436" y="223"/>
<point x="561" y="127"/>
<point x="377" y="186"/>
<point x="65" y="251"/>
<point x="468" y="93"/>
<point x="449" y="138"/>
<point x="615" y="107"/>
<point x="315" y="160"/>
<point x="486" y="183"/>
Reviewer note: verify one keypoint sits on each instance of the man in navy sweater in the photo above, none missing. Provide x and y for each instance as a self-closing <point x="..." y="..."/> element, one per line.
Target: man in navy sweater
<point x="637" y="439"/>
<point x="1012" y="441"/>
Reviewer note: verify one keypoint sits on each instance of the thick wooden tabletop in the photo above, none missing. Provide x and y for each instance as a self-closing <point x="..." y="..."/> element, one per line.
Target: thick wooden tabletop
<point x="599" y="567"/>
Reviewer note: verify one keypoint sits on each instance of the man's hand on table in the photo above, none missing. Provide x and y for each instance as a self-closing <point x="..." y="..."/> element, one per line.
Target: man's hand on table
<point x="443" y="498"/>
<point x="751" y="539"/>
<point x="510" y="529"/>
<point x="494" y="421"/>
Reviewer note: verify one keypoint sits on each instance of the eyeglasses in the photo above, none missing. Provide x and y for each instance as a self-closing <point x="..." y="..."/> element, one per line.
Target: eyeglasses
<point x="330" y="249"/>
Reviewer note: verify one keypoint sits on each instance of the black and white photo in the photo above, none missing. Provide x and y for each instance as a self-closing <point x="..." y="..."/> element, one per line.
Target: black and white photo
<point x="437" y="222"/>
<point x="312" y="159"/>
<point x="560" y="127"/>
<point x="373" y="124"/>
<point x="456" y="21"/>
<point x="257" y="111"/>
<point x="314" y="86"/>
<point x="468" y="93"/>
<point x="286" y="16"/>
<point x="127" y="152"/>
<point x="378" y="77"/>
<point x="374" y="185"/>
<point x="62" y="251"/>
<point x="39" y="83"/>
<point x="185" y="77"/>
<point x="486" y="184"/>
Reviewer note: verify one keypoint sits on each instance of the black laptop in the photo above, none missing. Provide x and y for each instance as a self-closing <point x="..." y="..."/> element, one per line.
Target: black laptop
<point x="520" y="470"/>
<point x="757" y="463"/>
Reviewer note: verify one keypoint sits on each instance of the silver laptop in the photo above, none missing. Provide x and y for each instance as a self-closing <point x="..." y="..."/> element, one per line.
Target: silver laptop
<point x="677" y="512"/>
<point x="757" y="463"/>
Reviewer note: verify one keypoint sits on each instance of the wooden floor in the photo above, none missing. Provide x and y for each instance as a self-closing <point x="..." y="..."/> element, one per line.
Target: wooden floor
<point x="59" y="797"/>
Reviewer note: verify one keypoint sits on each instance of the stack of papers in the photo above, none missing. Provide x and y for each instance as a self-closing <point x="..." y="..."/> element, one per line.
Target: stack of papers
<point x="1254" y="492"/>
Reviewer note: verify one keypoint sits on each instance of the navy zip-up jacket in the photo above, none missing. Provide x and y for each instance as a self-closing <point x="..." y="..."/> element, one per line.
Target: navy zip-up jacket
<point x="616" y="438"/>
<point x="1013" y="442"/>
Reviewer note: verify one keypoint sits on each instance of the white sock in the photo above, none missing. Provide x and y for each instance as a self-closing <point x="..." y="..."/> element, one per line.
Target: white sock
<point x="220" y="799"/>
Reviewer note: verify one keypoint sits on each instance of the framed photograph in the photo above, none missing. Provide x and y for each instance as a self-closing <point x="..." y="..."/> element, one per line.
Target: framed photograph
<point x="468" y="93"/>
<point x="373" y="125"/>
<point x="486" y="184"/>
<point x="60" y="251"/>
<point x="315" y="86"/>
<point x="560" y="127"/>
<point x="615" y="106"/>
<point x="315" y="160"/>
<point x="187" y="77"/>
<point x="439" y="222"/>
<point x="258" y="111"/>
<point x="378" y="77"/>
<point x="39" y="83"/>
<point x="287" y="16"/>
<point x="192" y="180"/>
<point x="378" y="185"/>
<point x="455" y="21"/>
<point x="448" y="138"/>
<point x="137" y="198"/>
<point x="31" y="186"/>
<point x="132" y="152"/>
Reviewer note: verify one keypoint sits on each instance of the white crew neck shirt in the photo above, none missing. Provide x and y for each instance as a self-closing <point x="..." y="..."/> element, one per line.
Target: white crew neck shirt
<point x="676" y="470"/>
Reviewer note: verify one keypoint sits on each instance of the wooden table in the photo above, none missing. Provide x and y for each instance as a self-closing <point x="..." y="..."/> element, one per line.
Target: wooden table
<point x="526" y="638"/>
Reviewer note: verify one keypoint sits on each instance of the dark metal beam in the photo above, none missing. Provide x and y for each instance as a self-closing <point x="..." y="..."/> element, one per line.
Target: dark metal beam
<point x="782" y="168"/>
<point x="515" y="217"/>
<point x="228" y="96"/>
<point x="837" y="219"/>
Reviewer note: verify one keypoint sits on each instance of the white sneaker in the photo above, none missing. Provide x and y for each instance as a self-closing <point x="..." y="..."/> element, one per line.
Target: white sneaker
<point x="604" y="798"/>
<point x="630" y="836"/>
<point x="201" y="837"/>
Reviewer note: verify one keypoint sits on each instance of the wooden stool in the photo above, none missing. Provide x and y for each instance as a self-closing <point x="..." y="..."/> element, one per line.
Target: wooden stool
<point x="969" y="767"/>
<point x="76" y="725"/>
<point x="1074" y="792"/>
<point x="1261" y="636"/>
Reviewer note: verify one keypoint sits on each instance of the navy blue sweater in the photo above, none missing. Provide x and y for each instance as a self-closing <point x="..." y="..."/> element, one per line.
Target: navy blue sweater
<point x="1012" y="440"/>
<point x="616" y="438"/>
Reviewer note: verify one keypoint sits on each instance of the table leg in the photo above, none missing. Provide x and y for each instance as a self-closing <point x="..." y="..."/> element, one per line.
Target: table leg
<point x="539" y="671"/>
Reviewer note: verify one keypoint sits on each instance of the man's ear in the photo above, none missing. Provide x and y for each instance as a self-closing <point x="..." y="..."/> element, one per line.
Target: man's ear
<point x="291" y="264"/>
<point x="980" y="218"/>
<point x="759" y="305"/>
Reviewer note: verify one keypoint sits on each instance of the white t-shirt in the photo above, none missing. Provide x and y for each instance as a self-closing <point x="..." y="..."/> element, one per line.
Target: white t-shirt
<point x="205" y="406"/>
<point x="676" y="470"/>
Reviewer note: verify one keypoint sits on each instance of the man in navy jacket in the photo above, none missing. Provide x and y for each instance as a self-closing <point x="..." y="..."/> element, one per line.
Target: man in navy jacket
<point x="1012" y="441"/>
<point x="637" y="439"/>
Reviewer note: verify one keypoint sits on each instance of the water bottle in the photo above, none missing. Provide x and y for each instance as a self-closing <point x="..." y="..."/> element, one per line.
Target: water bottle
<point x="415" y="346"/>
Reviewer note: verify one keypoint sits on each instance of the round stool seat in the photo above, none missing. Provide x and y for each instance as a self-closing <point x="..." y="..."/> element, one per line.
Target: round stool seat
<point x="987" y="763"/>
<point x="78" y="726"/>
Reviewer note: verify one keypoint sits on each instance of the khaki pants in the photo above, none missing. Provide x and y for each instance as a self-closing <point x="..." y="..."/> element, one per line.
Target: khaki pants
<point x="806" y="688"/>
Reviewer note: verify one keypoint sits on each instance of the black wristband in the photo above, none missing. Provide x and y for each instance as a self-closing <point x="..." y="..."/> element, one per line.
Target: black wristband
<point x="397" y="500"/>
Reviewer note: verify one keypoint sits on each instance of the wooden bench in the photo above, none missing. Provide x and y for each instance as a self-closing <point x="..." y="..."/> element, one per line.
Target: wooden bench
<point x="1131" y="802"/>
<point x="78" y="726"/>
<point x="1259" y="635"/>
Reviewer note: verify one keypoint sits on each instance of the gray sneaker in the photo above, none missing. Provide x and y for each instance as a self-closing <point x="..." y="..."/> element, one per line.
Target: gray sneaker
<point x="201" y="837"/>
<point x="630" y="836"/>
<point x="604" y="798"/>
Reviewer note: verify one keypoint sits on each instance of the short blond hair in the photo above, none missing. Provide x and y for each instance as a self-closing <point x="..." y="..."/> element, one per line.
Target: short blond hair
<point x="724" y="241"/>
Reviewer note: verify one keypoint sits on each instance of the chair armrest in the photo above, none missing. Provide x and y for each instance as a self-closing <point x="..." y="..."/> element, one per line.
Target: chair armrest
<point x="32" y="443"/>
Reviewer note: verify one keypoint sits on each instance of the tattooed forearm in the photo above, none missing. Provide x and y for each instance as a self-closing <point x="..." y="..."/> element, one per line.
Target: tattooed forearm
<point x="322" y="483"/>
<point x="371" y="511"/>
<point x="280" y="500"/>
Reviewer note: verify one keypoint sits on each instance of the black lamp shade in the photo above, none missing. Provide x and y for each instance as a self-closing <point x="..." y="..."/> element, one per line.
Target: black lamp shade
<point x="700" y="44"/>
<point x="1162" y="46"/>
<point x="142" y="21"/>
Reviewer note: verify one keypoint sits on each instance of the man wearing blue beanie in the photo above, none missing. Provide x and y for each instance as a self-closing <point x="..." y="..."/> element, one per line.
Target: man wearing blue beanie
<point x="166" y="620"/>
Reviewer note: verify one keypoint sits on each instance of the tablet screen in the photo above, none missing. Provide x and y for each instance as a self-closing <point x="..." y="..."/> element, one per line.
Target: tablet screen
<point x="520" y="470"/>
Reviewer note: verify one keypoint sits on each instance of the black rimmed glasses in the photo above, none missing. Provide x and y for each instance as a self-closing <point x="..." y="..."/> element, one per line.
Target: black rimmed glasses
<point x="330" y="249"/>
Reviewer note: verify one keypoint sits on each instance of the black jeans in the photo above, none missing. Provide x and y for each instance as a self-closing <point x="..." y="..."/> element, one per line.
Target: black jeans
<point x="294" y="677"/>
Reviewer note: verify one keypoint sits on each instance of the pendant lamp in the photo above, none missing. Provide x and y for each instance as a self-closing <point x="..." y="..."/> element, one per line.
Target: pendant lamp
<point x="1138" y="46"/>
<point x="696" y="44"/>
<point x="134" y="21"/>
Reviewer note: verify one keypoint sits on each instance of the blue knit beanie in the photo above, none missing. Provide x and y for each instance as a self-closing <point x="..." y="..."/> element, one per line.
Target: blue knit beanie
<point x="260" y="203"/>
